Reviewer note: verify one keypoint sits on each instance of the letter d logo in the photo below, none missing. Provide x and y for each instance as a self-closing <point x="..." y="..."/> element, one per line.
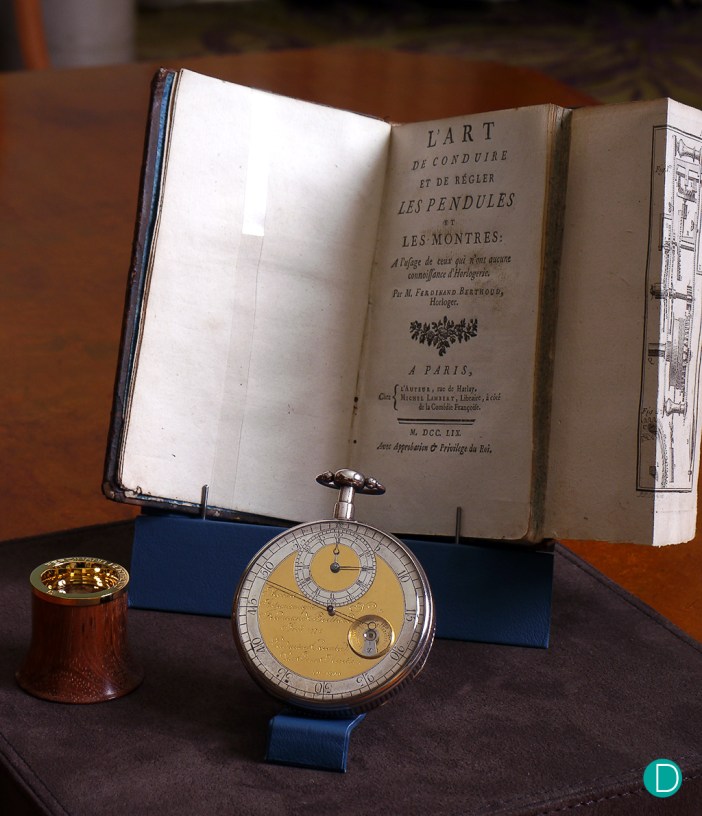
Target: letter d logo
<point x="662" y="778"/>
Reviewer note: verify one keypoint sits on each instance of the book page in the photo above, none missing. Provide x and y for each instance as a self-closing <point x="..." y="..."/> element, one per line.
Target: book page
<point x="624" y="451"/>
<point x="447" y="411"/>
<point x="256" y="299"/>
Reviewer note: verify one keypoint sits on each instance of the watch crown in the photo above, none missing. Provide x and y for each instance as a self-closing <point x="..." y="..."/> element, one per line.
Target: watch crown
<point x="348" y="482"/>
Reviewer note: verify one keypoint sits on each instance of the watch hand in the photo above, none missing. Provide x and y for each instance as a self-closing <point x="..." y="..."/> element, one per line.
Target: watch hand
<point x="334" y="566"/>
<point x="302" y="597"/>
<point x="337" y="567"/>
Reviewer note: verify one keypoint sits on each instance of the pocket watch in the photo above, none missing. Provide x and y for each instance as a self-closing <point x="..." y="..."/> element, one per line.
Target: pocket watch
<point x="334" y="616"/>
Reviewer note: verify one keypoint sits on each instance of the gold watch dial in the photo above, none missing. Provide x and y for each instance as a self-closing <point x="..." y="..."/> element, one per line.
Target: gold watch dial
<point x="333" y="615"/>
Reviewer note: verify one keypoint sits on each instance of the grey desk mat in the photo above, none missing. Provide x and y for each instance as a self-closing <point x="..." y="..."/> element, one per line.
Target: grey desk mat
<point x="484" y="729"/>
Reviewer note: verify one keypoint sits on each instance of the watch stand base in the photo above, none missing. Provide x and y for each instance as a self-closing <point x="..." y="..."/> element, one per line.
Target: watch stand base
<point x="310" y="742"/>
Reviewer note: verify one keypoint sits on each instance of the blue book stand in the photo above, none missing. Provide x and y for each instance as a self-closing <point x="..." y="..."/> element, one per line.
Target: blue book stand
<point x="483" y="591"/>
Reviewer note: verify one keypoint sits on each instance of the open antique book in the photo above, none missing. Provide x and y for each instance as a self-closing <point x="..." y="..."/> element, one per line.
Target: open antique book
<point x="498" y="312"/>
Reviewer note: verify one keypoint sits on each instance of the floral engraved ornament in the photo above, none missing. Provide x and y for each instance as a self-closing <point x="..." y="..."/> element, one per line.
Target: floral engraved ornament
<point x="444" y="333"/>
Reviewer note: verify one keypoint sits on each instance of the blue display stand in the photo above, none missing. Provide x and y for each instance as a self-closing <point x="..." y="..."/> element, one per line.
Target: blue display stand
<point x="483" y="591"/>
<point x="310" y="742"/>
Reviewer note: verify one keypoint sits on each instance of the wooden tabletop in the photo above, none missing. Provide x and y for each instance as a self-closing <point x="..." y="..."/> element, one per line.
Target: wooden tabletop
<point x="70" y="155"/>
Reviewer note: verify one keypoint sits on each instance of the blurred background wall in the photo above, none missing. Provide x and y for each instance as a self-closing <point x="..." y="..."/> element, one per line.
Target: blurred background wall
<point x="614" y="50"/>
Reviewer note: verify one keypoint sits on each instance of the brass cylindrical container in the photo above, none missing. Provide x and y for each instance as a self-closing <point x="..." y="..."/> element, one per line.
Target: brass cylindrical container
<point x="78" y="651"/>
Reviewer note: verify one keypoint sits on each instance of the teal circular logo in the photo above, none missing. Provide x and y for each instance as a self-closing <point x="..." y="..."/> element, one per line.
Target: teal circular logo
<point x="662" y="778"/>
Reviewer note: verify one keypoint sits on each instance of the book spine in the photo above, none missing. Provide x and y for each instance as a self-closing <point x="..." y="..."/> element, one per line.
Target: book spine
<point x="161" y="90"/>
<point x="553" y="242"/>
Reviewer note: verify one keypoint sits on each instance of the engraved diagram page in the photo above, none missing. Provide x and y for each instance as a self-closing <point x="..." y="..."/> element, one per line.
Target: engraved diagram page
<point x="624" y="451"/>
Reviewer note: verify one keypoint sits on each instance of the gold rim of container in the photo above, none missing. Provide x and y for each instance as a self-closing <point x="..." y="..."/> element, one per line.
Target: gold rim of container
<point x="79" y="581"/>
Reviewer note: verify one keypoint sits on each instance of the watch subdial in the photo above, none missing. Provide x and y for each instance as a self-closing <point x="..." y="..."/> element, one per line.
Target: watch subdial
<point x="335" y="574"/>
<point x="371" y="636"/>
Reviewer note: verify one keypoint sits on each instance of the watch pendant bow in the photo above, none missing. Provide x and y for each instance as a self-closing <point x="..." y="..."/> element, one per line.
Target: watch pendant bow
<point x="334" y="616"/>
